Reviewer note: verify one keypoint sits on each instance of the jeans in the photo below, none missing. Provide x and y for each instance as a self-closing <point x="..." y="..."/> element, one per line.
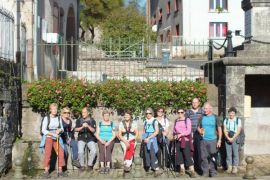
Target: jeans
<point x="150" y="156"/>
<point x="74" y="149"/>
<point x="208" y="155"/>
<point x="91" y="155"/>
<point x="197" y="152"/>
<point x="232" y="153"/>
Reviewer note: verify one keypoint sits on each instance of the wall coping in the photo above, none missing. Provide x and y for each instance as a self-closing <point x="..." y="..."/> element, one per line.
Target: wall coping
<point x="249" y="4"/>
<point x="242" y="61"/>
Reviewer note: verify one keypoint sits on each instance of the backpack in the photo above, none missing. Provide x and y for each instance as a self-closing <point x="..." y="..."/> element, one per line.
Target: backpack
<point x="127" y="129"/>
<point x="49" y="120"/>
<point x="160" y="133"/>
<point x="241" y="136"/>
<point x="100" y="124"/>
<point x="153" y="124"/>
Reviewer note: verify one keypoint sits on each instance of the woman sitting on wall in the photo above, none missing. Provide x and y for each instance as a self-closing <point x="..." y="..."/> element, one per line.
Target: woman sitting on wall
<point x="128" y="133"/>
<point x="68" y="136"/>
<point x="105" y="135"/>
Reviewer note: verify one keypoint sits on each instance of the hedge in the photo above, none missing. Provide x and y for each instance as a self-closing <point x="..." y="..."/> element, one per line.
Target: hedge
<point x="116" y="94"/>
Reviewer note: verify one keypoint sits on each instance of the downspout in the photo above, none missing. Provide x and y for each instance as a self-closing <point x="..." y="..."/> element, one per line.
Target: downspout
<point x="35" y="33"/>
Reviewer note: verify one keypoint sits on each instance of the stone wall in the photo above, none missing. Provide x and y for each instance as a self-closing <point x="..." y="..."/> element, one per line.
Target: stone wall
<point x="9" y="113"/>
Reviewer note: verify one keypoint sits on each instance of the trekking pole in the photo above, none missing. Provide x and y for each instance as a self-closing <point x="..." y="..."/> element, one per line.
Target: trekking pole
<point x="57" y="153"/>
<point x="174" y="151"/>
<point x="105" y="154"/>
<point x="71" y="155"/>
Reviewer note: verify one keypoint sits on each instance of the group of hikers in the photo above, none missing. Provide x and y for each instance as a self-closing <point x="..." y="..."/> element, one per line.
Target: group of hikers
<point x="189" y="147"/>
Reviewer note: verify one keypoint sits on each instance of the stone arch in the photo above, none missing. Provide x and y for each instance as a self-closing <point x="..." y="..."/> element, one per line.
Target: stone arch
<point x="71" y="61"/>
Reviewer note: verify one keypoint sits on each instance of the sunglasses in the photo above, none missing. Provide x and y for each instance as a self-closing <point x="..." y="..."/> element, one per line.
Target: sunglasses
<point x="148" y="113"/>
<point x="66" y="112"/>
<point x="181" y="112"/>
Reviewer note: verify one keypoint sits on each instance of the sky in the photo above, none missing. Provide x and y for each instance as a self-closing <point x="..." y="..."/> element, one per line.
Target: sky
<point x="140" y="2"/>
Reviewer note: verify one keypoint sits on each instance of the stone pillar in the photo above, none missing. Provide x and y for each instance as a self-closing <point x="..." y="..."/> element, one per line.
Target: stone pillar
<point x="235" y="88"/>
<point x="257" y="22"/>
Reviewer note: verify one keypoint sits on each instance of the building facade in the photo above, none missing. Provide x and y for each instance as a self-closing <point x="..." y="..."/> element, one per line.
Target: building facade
<point x="196" y="20"/>
<point x="44" y="25"/>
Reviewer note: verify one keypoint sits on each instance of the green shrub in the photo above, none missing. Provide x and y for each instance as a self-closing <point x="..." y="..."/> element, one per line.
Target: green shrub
<point x="116" y="94"/>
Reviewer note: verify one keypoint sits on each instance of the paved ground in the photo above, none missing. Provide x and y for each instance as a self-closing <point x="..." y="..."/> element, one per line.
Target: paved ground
<point x="261" y="169"/>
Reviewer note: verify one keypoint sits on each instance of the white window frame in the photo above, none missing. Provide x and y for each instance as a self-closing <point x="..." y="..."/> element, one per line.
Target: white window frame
<point x="215" y="5"/>
<point x="215" y="29"/>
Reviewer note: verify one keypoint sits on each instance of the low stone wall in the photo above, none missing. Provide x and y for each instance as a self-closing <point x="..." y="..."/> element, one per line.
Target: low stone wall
<point x="257" y="130"/>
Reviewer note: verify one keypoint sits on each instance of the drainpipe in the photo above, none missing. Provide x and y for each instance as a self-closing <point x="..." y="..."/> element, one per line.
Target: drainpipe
<point x="35" y="33"/>
<point x="18" y="31"/>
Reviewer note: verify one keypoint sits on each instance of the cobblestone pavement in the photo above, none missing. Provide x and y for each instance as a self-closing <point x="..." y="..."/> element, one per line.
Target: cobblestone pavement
<point x="261" y="169"/>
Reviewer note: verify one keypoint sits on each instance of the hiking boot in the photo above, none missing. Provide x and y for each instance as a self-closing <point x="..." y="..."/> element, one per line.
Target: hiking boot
<point x="234" y="170"/>
<point x="82" y="168"/>
<point x="90" y="168"/>
<point x="157" y="172"/>
<point x="192" y="173"/>
<point x="229" y="170"/>
<point x="102" y="170"/>
<point x="76" y="163"/>
<point x="46" y="175"/>
<point x="127" y="169"/>
<point x="182" y="172"/>
<point x="62" y="174"/>
<point x="107" y="170"/>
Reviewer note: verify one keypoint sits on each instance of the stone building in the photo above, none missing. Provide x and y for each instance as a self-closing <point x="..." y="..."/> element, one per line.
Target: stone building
<point x="194" y="20"/>
<point x="46" y="23"/>
<point x="243" y="81"/>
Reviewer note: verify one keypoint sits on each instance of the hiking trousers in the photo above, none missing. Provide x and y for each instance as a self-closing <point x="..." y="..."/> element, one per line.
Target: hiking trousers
<point x="108" y="149"/>
<point x="49" y="145"/>
<point x="91" y="145"/>
<point x="150" y="156"/>
<point x="208" y="154"/>
<point x="183" y="155"/>
<point x="232" y="149"/>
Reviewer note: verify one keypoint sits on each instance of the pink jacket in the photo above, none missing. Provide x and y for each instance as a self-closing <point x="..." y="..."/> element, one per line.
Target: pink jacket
<point x="182" y="127"/>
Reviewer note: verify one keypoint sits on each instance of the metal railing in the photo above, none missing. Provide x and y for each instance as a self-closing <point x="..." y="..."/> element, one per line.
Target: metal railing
<point x="6" y="35"/>
<point x="92" y="62"/>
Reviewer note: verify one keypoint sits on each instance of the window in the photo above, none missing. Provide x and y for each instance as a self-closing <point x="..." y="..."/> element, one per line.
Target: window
<point x="218" y="4"/>
<point x="177" y="30"/>
<point x="176" y="5"/>
<point x="218" y="29"/>
<point x="168" y="8"/>
<point x="160" y="15"/>
<point x="55" y="19"/>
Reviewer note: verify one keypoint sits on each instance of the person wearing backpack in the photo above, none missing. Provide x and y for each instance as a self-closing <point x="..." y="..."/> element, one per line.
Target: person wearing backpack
<point x="163" y="143"/>
<point x="209" y="128"/>
<point x="194" y="114"/>
<point x="149" y="138"/>
<point x="105" y="135"/>
<point x="51" y="129"/>
<point x="232" y="129"/>
<point x="128" y="133"/>
<point x="183" y="145"/>
<point x="86" y="127"/>
<point x="68" y="137"/>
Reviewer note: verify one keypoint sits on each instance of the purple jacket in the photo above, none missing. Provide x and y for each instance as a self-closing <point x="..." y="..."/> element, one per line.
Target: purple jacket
<point x="182" y="127"/>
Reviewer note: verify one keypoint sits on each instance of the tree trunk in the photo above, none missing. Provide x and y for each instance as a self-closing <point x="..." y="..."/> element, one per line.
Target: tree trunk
<point x="82" y="37"/>
<point x="92" y="31"/>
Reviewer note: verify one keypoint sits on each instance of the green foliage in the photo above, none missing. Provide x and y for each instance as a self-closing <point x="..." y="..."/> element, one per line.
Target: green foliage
<point x="116" y="94"/>
<point x="94" y="11"/>
<point x="72" y="93"/>
<point x="128" y="24"/>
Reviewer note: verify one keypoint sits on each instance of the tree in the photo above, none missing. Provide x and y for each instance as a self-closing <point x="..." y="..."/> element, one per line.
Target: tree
<point x="93" y="12"/>
<point x="126" y="23"/>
